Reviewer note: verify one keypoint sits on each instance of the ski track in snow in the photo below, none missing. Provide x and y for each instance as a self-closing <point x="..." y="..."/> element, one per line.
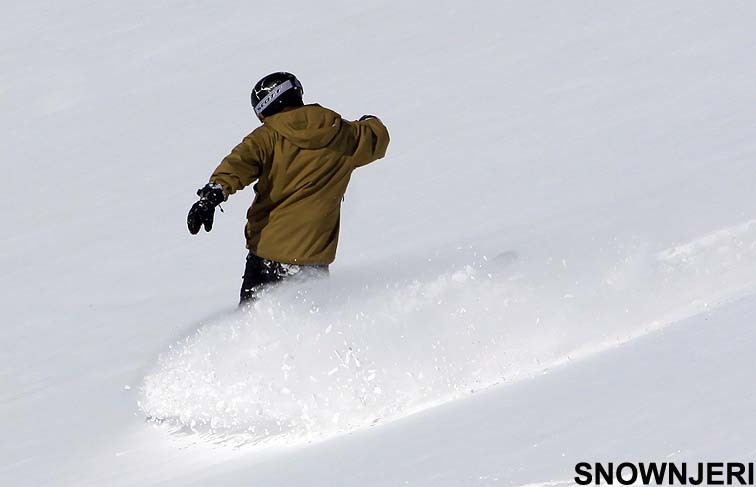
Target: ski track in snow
<point x="310" y="361"/>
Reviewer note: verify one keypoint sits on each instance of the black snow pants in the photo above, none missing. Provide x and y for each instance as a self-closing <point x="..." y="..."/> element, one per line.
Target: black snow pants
<point x="260" y="273"/>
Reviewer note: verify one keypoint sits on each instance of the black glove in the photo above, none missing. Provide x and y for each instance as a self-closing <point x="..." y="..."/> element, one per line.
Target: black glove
<point x="368" y="117"/>
<point x="203" y="211"/>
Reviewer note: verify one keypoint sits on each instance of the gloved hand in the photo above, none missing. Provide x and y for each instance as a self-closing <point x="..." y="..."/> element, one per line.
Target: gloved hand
<point x="368" y="117"/>
<point x="203" y="211"/>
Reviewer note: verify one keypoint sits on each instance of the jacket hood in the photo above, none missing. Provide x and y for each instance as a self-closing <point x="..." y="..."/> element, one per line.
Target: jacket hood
<point x="307" y="127"/>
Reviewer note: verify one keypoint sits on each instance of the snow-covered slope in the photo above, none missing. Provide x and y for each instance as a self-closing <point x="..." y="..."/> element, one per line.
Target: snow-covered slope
<point x="680" y="395"/>
<point x="564" y="178"/>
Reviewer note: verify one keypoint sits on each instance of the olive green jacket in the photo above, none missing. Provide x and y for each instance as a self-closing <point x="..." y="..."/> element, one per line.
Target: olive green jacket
<point x="302" y="160"/>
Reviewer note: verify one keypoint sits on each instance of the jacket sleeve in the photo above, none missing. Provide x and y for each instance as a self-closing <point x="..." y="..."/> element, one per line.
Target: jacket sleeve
<point x="372" y="141"/>
<point x="244" y="164"/>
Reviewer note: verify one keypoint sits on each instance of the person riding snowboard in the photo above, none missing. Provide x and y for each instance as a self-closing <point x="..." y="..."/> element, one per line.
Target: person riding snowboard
<point x="302" y="157"/>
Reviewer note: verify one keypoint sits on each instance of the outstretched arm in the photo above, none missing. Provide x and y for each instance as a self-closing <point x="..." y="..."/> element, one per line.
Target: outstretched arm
<point x="237" y="170"/>
<point x="244" y="164"/>
<point x="372" y="140"/>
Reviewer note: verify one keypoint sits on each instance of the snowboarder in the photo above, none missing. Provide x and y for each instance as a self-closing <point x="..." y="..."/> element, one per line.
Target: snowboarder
<point x="302" y="157"/>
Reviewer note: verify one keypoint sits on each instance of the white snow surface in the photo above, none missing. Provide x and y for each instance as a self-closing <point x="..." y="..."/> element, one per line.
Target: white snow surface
<point x="556" y="261"/>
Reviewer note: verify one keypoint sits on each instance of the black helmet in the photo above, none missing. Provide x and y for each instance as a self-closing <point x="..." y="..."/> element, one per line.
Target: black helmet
<point x="276" y="92"/>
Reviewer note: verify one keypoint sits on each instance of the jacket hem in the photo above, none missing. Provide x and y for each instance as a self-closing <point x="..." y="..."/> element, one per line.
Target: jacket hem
<point x="288" y="260"/>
